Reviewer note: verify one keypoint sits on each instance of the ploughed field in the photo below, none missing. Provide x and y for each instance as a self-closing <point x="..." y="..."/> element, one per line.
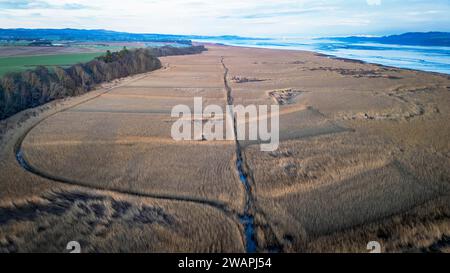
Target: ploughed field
<point x="364" y="156"/>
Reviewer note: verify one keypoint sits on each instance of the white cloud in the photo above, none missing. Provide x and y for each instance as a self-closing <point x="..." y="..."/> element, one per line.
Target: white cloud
<point x="373" y="2"/>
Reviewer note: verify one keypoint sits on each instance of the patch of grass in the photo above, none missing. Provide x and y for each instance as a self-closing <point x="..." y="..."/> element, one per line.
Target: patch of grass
<point x="114" y="223"/>
<point x="22" y="63"/>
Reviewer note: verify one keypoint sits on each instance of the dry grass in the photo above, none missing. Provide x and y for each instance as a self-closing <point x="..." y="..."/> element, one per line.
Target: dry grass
<point x="369" y="143"/>
<point x="197" y="170"/>
<point x="111" y="223"/>
<point x="100" y="142"/>
<point x="122" y="140"/>
<point x="314" y="187"/>
<point x="422" y="229"/>
<point x="364" y="156"/>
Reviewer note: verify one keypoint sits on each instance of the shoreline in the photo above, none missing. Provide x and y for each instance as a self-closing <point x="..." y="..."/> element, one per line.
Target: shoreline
<point x="323" y="55"/>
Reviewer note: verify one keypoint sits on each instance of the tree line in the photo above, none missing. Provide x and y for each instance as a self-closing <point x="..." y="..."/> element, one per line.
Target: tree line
<point x="173" y="51"/>
<point x="22" y="90"/>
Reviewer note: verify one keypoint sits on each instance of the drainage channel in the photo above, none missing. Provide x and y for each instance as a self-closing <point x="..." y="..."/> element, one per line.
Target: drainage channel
<point x="247" y="218"/>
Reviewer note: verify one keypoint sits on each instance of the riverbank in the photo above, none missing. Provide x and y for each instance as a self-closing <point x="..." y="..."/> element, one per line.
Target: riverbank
<point x="423" y="58"/>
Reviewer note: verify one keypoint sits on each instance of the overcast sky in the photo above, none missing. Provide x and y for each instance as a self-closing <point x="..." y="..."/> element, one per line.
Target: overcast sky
<point x="274" y="18"/>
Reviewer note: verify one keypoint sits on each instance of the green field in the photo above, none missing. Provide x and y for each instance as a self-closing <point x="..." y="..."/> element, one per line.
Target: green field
<point x="21" y="63"/>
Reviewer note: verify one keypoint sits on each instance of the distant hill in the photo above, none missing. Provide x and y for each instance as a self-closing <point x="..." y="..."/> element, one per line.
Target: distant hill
<point x="410" y="38"/>
<point x="83" y="35"/>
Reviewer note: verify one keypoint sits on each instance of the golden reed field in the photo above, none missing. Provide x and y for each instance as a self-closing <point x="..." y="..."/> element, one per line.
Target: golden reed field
<point x="364" y="156"/>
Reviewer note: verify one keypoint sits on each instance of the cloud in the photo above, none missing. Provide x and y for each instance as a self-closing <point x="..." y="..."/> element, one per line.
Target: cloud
<point x="74" y="6"/>
<point x="23" y="4"/>
<point x="38" y="4"/>
<point x="373" y="2"/>
<point x="282" y="13"/>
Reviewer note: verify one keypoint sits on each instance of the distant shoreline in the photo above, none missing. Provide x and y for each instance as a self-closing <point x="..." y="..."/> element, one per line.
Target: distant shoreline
<point x="331" y="56"/>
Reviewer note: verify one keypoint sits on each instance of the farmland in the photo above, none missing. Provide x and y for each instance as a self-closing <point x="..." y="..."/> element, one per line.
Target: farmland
<point x="18" y="56"/>
<point x="22" y="63"/>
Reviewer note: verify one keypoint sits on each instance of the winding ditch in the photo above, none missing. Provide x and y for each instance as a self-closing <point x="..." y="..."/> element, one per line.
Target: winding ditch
<point x="247" y="218"/>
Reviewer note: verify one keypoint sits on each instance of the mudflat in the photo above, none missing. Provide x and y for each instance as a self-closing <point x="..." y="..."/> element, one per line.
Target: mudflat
<point x="364" y="156"/>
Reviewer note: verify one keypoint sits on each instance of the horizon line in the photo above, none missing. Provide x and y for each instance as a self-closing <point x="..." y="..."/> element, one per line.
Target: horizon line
<point x="227" y="35"/>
